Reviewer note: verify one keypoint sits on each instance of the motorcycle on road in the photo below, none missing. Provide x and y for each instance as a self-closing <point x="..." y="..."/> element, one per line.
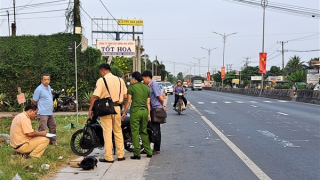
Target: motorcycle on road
<point x="180" y="106"/>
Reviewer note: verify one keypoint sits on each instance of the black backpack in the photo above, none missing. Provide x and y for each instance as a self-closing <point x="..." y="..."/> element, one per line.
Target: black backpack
<point x="88" y="163"/>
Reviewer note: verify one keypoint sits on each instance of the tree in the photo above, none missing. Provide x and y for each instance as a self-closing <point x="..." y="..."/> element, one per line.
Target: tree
<point x="294" y="64"/>
<point x="274" y="71"/>
<point x="116" y="70"/>
<point x="180" y="76"/>
<point x="248" y="72"/>
<point x="171" y="78"/>
<point x="217" y="77"/>
<point x="298" y="76"/>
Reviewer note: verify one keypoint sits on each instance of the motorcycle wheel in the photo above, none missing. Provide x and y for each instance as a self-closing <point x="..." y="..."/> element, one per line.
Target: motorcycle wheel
<point x="72" y="106"/>
<point x="76" y="141"/>
<point x="179" y="108"/>
<point x="127" y="140"/>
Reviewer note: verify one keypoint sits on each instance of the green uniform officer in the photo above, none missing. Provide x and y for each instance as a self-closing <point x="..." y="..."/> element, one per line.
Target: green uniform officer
<point x="139" y="114"/>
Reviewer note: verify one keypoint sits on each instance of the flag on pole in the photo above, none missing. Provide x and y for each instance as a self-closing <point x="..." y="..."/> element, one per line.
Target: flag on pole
<point x="262" y="62"/>
<point x="223" y="72"/>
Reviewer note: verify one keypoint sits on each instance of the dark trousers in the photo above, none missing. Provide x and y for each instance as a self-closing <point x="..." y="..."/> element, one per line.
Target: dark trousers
<point x="45" y="122"/>
<point x="156" y="136"/>
<point x="176" y="98"/>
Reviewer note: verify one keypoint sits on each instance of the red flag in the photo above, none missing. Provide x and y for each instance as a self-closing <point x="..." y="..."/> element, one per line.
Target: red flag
<point x="262" y="62"/>
<point x="223" y="72"/>
<point x="208" y="76"/>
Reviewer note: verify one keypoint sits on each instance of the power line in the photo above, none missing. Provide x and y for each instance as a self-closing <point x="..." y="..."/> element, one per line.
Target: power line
<point x="113" y="17"/>
<point x="39" y="12"/>
<point x="95" y="22"/>
<point x="288" y="9"/>
<point x="32" y="5"/>
<point x="304" y="50"/>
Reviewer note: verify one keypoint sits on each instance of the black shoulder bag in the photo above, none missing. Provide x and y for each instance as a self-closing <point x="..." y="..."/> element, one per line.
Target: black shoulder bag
<point x="105" y="106"/>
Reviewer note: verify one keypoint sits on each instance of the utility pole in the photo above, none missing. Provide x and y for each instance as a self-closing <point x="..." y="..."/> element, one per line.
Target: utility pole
<point x="13" y="25"/>
<point x="246" y="62"/>
<point x="8" y="22"/>
<point x="156" y="65"/>
<point x="264" y="4"/>
<point x="209" y="52"/>
<point x="145" y="62"/>
<point x="229" y="67"/>
<point x="152" y="68"/>
<point x="76" y="15"/>
<point x="174" y="69"/>
<point x="282" y="51"/>
<point x="199" y="60"/>
<point x="138" y="55"/>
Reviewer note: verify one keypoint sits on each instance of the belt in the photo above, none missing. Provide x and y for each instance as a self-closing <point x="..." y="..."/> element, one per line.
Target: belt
<point x="18" y="146"/>
<point x="117" y="104"/>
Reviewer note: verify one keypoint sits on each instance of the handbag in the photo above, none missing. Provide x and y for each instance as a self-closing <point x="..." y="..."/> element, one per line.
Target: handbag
<point x="105" y="106"/>
<point x="159" y="115"/>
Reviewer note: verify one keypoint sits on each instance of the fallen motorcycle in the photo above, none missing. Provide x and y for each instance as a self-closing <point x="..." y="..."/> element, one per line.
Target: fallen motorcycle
<point x="83" y="141"/>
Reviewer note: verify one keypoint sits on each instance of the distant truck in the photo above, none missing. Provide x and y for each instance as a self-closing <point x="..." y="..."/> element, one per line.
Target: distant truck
<point x="196" y="83"/>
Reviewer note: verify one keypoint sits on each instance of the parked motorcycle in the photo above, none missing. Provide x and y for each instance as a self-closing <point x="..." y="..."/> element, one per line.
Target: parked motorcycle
<point x="83" y="141"/>
<point x="65" y="103"/>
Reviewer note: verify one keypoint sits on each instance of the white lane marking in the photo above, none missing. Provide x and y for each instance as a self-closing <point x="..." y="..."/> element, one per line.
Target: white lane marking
<point x="254" y="106"/>
<point x="214" y="102"/>
<point x="282" y="101"/>
<point x="245" y="159"/>
<point x="200" y="102"/>
<point x="227" y="102"/>
<point x="267" y="101"/>
<point x="253" y="101"/>
<point x="239" y="102"/>
<point x="283" y="113"/>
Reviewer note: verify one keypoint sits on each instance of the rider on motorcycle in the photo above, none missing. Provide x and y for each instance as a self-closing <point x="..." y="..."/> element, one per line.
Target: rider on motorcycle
<point x="179" y="89"/>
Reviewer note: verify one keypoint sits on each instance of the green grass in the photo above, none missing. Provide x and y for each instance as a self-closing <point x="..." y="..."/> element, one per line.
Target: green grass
<point x="11" y="164"/>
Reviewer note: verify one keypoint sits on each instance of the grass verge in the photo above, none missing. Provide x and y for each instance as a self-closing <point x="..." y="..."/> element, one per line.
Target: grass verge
<point x="31" y="168"/>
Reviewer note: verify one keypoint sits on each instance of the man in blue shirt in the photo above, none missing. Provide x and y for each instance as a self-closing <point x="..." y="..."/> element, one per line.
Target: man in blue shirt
<point x="42" y="98"/>
<point x="156" y="101"/>
<point x="179" y="89"/>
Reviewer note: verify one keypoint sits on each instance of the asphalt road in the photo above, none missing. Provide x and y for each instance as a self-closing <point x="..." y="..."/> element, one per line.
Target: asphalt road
<point x="227" y="136"/>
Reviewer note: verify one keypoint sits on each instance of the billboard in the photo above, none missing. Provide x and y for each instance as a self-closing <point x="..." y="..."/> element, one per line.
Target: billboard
<point x="276" y="78"/>
<point x="256" y="78"/>
<point x="223" y="72"/>
<point x="130" y="22"/>
<point x="117" y="48"/>
<point x="313" y="76"/>
<point x="235" y="81"/>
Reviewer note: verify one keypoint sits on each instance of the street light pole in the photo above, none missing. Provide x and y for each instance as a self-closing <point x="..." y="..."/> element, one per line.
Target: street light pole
<point x="209" y="53"/>
<point x="76" y="74"/>
<point x="199" y="60"/>
<point x="194" y="69"/>
<point x="224" y="39"/>
<point x="264" y="4"/>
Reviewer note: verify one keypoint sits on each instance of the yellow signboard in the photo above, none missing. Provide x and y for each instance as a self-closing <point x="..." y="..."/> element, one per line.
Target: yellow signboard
<point x="131" y="22"/>
<point x="235" y="81"/>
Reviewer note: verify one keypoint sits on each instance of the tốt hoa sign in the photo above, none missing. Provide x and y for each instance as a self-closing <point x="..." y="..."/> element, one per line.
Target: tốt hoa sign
<point x="117" y="48"/>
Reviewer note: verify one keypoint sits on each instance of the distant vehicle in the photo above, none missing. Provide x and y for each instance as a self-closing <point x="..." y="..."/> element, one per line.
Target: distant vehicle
<point x="162" y="87"/>
<point x="196" y="83"/>
<point x="316" y="87"/>
<point x="185" y="84"/>
<point x="168" y="87"/>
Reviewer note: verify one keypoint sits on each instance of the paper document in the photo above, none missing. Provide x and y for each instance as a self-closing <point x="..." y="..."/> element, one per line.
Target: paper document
<point x="50" y="135"/>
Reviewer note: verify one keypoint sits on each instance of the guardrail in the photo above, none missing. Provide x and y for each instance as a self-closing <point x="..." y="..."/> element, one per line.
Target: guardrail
<point x="283" y="94"/>
<point x="307" y="96"/>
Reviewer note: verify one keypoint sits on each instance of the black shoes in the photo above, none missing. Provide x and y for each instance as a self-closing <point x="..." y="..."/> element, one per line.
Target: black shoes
<point x="138" y="157"/>
<point x="104" y="160"/>
<point x="149" y="156"/>
<point x="121" y="159"/>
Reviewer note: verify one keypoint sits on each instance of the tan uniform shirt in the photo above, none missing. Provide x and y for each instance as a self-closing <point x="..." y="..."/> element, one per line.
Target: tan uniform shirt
<point x="20" y="126"/>
<point x="114" y="88"/>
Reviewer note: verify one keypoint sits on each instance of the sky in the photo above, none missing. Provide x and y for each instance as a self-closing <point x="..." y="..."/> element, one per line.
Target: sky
<point x="175" y="31"/>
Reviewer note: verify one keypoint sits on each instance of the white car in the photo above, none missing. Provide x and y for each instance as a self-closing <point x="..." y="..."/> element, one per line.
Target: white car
<point x="168" y="87"/>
